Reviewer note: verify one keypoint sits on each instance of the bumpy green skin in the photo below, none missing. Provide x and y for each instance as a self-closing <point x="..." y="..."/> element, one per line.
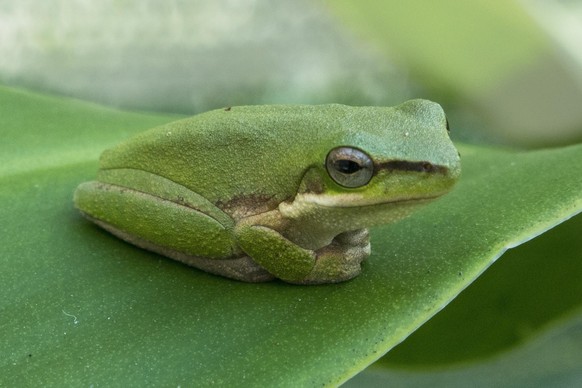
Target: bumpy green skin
<point x="244" y="192"/>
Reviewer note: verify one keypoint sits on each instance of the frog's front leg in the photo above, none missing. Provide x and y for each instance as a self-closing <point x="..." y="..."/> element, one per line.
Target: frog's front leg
<point x="272" y="251"/>
<point x="341" y="260"/>
<point x="337" y="262"/>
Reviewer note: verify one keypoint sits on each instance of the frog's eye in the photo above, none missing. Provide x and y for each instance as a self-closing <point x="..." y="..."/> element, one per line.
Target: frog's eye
<point x="349" y="167"/>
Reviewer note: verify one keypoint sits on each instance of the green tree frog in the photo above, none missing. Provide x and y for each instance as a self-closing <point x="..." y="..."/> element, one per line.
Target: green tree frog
<point x="256" y="193"/>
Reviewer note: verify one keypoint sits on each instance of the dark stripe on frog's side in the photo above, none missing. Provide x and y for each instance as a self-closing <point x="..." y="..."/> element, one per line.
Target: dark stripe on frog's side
<point x="403" y="165"/>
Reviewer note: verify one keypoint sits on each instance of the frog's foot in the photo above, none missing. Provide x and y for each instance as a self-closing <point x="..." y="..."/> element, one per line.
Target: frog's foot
<point x="341" y="260"/>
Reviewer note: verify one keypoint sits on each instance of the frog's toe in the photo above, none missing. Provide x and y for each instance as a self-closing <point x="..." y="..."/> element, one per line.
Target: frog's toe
<point x="337" y="262"/>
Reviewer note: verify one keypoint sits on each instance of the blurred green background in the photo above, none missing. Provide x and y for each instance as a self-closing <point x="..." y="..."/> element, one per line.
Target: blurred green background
<point x="509" y="74"/>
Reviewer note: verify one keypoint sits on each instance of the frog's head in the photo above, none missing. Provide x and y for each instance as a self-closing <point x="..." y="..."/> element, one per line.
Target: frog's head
<point x="386" y="155"/>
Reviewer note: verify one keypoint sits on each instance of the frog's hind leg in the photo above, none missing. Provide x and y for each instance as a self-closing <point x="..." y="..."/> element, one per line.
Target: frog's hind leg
<point x="241" y="268"/>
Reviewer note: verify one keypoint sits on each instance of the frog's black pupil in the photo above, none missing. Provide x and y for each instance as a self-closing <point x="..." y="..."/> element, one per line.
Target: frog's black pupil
<point x="347" y="166"/>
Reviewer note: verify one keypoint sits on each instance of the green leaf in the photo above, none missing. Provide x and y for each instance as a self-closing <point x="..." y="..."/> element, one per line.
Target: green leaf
<point x="519" y="324"/>
<point x="534" y="285"/>
<point x="80" y="307"/>
<point x="552" y="359"/>
<point x="41" y="132"/>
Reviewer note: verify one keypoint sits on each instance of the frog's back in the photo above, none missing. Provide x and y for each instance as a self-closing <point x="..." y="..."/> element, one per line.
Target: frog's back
<point x="243" y="150"/>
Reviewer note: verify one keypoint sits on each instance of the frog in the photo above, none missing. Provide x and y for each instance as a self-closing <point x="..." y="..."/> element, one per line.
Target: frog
<point x="263" y="192"/>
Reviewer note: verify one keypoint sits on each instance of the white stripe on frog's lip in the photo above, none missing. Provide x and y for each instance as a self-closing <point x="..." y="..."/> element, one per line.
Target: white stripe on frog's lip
<point x="354" y="200"/>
